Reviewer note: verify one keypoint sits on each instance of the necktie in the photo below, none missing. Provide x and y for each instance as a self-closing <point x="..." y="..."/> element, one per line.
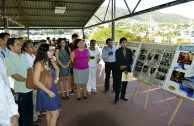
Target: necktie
<point x="124" y="52"/>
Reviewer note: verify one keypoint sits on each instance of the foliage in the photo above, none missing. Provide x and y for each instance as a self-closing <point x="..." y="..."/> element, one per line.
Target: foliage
<point x="105" y="33"/>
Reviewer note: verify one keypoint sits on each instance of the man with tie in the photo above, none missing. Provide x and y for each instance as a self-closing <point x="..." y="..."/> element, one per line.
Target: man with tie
<point x="3" y="41"/>
<point x="124" y="61"/>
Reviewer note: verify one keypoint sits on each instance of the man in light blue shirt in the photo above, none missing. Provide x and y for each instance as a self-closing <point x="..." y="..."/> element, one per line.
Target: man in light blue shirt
<point x="4" y="51"/>
<point x="17" y="65"/>
<point x="108" y="56"/>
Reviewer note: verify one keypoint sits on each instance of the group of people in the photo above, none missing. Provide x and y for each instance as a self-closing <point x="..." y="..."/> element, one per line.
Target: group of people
<point x="72" y="65"/>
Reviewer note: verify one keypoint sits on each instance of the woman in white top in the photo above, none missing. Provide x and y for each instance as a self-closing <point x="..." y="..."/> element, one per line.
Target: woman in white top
<point x="93" y="66"/>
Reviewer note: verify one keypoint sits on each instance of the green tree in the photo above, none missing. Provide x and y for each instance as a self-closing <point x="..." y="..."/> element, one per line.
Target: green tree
<point x="105" y="33"/>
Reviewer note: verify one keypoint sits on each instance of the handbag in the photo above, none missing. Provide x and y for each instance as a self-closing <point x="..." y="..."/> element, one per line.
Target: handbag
<point x="45" y="79"/>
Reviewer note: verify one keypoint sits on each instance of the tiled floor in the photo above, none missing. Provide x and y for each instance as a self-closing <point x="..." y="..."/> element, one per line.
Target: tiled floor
<point x="99" y="109"/>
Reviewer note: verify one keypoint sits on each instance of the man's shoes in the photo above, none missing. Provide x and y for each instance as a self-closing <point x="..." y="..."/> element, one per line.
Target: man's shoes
<point x="116" y="101"/>
<point x="72" y="92"/>
<point x="124" y="98"/>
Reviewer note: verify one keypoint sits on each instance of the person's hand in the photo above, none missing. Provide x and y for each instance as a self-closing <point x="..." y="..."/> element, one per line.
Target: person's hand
<point x="110" y="53"/>
<point x="65" y="67"/>
<point x="98" y="60"/>
<point x="14" y="120"/>
<point x="122" y="67"/>
<point x="92" y="57"/>
<point x="126" y="72"/>
<point x="56" y="81"/>
<point x="51" y="94"/>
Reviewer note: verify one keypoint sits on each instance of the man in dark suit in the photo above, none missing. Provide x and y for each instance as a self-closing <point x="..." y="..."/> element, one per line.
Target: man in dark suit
<point x="124" y="61"/>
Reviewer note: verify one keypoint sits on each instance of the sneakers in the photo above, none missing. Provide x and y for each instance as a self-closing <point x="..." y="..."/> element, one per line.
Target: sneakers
<point x="72" y="92"/>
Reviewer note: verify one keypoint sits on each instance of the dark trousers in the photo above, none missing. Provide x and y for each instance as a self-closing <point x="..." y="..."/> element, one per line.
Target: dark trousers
<point x="120" y="87"/>
<point x="25" y="108"/>
<point x="108" y="68"/>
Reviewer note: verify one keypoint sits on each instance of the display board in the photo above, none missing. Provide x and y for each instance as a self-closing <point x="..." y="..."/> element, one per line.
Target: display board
<point x="153" y="63"/>
<point x="181" y="75"/>
<point x="135" y="48"/>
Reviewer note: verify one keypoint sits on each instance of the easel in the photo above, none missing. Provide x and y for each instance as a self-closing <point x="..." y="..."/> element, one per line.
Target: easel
<point x="177" y="107"/>
<point x="148" y="91"/>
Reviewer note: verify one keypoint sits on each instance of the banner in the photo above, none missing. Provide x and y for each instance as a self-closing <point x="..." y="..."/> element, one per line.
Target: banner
<point x="153" y="63"/>
<point x="135" y="48"/>
<point x="181" y="76"/>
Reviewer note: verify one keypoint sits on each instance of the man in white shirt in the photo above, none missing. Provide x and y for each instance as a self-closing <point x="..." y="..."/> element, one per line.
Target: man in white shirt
<point x="4" y="51"/>
<point x="29" y="50"/>
<point x="8" y="108"/>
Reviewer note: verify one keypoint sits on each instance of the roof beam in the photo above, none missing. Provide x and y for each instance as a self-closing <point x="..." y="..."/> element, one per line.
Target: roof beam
<point x="88" y="19"/>
<point x="10" y="8"/>
<point x="56" y="16"/>
<point x="62" y="1"/>
<point x="162" y="6"/>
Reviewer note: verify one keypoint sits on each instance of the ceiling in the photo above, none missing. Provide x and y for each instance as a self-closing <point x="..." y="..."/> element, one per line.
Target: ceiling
<point x="40" y="13"/>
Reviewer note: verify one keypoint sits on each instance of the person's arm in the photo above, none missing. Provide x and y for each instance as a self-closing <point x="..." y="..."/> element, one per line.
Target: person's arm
<point x="18" y="77"/>
<point x="99" y="56"/>
<point x="118" y="59"/>
<point x="13" y="108"/>
<point x="57" y="58"/>
<point x="72" y="57"/>
<point x="69" y="58"/>
<point x="104" y="54"/>
<point x="11" y="71"/>
<point x="56" y="72"/>
<point x="36" y="78"/>
<point x="130" y="60"/>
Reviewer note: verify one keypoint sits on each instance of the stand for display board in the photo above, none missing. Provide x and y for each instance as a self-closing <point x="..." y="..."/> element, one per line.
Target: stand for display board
<point x="178" y="106"/>
<point x="193" y="123"/>
<point x="148" y="91"/>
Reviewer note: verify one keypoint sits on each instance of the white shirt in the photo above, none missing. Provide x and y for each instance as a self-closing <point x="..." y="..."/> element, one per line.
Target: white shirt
<point x="4" y="73"/>
<point x="30" y="58"/>
<point x="106" y="57"/>
<point x="96" y="54"/>
<point x="8" y="107"/>
<point x="4" y="53"/>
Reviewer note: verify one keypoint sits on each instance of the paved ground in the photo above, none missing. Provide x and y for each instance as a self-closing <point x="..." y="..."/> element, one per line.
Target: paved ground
<point x="99" y="109"/>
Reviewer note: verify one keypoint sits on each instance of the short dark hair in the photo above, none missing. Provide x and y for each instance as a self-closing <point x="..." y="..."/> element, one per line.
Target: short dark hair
<point x="25" y="45"/>
<point x="2" y="35"/>
<point x="20" y="38"/>
<point x="109" y="39"/>
<point x="35" y="43"/>
<point x="122" y="39"/>
<point x="74" y="36"/>
<point x="92" y="40"/>
<point x="76" y="42"/>
<point x="10" y="41"/>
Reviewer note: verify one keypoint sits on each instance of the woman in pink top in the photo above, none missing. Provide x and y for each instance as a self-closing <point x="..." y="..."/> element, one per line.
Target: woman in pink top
<point x="80" y="59"/>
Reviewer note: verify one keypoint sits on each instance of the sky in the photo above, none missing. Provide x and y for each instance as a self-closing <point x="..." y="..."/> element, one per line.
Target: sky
<point x="185" y="9"/>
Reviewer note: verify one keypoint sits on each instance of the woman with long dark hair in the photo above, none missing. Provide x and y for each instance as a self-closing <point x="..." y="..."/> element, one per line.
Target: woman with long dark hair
<point x="47" y="99"/>
<point x="80" y="57"/>
<point x="62" y="55"/>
